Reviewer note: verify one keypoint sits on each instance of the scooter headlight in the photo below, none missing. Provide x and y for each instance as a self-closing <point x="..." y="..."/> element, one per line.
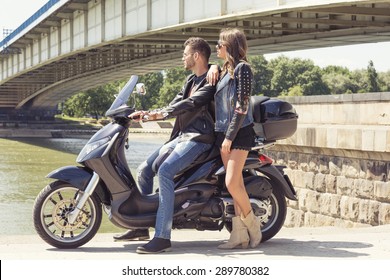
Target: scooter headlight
<point x="90" y="147"/>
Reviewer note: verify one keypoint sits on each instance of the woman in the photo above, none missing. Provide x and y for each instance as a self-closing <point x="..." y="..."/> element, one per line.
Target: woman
<point x="235" y="134"/>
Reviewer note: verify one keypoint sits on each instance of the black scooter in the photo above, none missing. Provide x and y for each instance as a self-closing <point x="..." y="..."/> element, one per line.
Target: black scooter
<point x="67" y="213"/>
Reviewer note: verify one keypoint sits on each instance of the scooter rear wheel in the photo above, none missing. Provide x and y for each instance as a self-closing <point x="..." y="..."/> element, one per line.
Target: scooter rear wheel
<point x="50" y="214"/>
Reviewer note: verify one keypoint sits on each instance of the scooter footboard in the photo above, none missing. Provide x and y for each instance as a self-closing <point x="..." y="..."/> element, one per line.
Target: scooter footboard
<point x="141" y="210"/>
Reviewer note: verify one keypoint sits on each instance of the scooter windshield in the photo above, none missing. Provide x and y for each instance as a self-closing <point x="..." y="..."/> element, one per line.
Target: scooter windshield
<point x="123" y="95"/>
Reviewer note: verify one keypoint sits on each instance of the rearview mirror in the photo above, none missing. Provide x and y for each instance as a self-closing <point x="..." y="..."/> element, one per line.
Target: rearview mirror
<point x="141" y="90"/>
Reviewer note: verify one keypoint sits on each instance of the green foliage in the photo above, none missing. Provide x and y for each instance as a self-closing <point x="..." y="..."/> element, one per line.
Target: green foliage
<point x="288" y="73"/>
<point x="100" y="99"/>
<point x="153" y="83"/>
<point x="282" y="78"/>
<point x="173" y="83"/>
<point x="75" y="106"/>
<point x="339" y="83"/>
<point x="359" y="77"/>
<point x="94" y="101"/>
<point x="340" y="80"/>
<point x="279" y="76"/>
<point x="294" y="91"/>
<point x="262" y="75"/>
<point x="312" y="83"/>
<point x="336" y="69"/>
<point x="384" y="81"/>
<point x="372" y="78"/>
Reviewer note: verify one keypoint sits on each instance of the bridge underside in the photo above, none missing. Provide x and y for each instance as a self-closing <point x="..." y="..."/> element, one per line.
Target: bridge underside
<point x="46" y="85"/>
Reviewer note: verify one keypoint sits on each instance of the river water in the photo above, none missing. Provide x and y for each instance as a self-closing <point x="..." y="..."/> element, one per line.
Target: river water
<point x="25" y="162"/>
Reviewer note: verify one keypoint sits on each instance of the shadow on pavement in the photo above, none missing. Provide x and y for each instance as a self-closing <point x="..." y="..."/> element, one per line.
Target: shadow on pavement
<point x="275" y="247"/>
<point x="313" y="248"/>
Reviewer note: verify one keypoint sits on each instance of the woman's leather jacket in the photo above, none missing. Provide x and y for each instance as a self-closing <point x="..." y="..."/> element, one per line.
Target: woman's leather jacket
<point x="227" y="117"/>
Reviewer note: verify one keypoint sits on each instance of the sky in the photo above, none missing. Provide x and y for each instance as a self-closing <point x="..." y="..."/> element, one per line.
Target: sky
<point x="353" y="57"/>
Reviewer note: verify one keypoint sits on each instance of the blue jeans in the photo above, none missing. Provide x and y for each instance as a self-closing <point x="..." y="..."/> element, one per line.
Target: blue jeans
<point x="182" y="155"/>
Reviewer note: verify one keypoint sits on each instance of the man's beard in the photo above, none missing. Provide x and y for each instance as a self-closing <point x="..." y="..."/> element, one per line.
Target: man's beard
<point x="189" y="64"/>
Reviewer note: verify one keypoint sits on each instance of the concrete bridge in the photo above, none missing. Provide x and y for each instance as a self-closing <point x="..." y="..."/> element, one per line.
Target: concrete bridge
<point x="74" y="45"/>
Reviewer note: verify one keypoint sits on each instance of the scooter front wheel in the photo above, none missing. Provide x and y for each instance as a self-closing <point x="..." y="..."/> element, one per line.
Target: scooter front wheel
<point x="51" y="211"/>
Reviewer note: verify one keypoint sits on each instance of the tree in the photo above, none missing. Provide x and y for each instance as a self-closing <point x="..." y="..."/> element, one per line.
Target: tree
<point x="76" y="105"/>
<point x="101" y="98"/>
<point x="336" y="69"/>
<point x="93" y="101"/>
<point x="153" y="83"/>
<point x="359" y="78"/>
<point x="339" y="83"/>
<point x="282" y="78"/>
<point x="292" y="72"/>
<point x="384" y="81"/>
<point x="262" y="75"/>
<point x="312" y="83"/>
<point x="294" y="91"/>
<point x="173" y="83"/>
<point x="372" y="77"/>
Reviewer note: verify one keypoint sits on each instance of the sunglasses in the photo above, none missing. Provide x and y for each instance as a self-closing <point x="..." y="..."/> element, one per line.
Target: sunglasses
<point x="219" y="45"/>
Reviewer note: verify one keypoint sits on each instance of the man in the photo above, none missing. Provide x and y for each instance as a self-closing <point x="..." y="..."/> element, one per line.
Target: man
<point x="193" y="134"/>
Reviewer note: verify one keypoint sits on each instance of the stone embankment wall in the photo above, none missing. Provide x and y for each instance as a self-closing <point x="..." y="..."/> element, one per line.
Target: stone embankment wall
<point x="339" y="160"/>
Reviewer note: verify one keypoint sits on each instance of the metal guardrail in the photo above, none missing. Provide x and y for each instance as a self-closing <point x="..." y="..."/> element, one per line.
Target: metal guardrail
<point x="29" y="21"/>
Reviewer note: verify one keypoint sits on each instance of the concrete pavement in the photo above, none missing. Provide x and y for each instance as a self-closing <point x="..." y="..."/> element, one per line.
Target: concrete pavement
<point x="367" y="243"/>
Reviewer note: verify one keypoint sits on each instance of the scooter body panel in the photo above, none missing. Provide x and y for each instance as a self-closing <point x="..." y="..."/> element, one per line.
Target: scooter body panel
<point x="279" y="180"/>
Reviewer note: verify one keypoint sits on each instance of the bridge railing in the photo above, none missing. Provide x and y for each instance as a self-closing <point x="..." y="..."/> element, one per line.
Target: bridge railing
<point x="28" y="22"/>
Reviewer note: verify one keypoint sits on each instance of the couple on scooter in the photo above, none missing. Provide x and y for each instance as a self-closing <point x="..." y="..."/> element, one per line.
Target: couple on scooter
<point x="195" y="132"/>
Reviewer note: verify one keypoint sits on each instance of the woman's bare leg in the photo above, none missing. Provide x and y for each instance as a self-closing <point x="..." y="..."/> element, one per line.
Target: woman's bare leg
<point x="234" y="163"/>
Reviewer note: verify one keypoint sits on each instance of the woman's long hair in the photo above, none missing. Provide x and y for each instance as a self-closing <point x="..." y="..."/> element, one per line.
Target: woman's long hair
<point x="236" y="47"/>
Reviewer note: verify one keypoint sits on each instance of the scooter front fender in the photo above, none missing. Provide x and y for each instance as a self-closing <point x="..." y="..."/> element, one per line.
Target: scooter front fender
<point x="75" y="175"/>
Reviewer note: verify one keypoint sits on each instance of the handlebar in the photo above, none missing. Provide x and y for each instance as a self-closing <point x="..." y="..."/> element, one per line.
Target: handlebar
<point x="145" y="118"/>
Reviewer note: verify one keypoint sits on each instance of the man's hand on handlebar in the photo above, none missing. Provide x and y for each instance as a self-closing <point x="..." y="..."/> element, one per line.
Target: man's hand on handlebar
<point x="145" y="116"/>
<point x="137" y="115"/>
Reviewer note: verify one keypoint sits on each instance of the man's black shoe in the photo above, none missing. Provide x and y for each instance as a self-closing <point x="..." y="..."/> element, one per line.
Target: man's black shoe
<point x="155" y="246"/>
<point x="133" y="234"/>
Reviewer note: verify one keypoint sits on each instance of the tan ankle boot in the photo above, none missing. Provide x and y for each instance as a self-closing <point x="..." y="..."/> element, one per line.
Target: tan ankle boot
<point x="238" y="237"/>
<point x="253" y="224"/>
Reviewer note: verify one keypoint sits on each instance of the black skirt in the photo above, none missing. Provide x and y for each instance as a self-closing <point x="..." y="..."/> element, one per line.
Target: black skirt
<point x="245" y="139"/>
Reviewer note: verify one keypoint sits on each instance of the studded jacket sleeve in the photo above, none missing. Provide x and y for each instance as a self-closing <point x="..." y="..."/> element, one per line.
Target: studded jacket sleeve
<point x="244" y="77"/>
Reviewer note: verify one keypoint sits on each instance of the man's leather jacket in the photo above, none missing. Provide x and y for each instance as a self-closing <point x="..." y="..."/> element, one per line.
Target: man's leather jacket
<point x="195" y="113"/>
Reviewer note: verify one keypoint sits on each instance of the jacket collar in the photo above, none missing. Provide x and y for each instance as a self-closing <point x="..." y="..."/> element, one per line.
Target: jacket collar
<point x="223" y="82"/>
<point x="188" y="86"/>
